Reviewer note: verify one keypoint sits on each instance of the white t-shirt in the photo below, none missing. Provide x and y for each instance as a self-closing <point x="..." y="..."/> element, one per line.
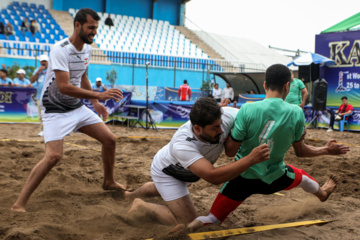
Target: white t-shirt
<point x="216" y="93"/>
<point x="185" y="148"/>
<point x="64" y="57"/>
<point x="228" y="93"/>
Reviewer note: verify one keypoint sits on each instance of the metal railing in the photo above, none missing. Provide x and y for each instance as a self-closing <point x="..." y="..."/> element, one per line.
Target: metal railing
<point x="30" y="50"/>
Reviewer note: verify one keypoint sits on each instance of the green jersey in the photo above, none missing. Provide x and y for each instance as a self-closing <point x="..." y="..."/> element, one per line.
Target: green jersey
<point x="274" y="122"/>
<point x="294" y="96"/>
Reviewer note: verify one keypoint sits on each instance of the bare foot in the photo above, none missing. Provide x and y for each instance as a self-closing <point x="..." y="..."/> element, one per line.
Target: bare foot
<point x="115" y="186"/>
<point x="17" y="209"/>
<point x="194" y="225"/>
<point x="178" y="229"/>
<point x="136" y="204"/>
<point x="329" y="186"/>
<point x="128" y="195"/>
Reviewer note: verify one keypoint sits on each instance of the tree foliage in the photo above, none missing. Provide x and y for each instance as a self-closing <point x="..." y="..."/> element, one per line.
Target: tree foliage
<point x="111" y="76"/>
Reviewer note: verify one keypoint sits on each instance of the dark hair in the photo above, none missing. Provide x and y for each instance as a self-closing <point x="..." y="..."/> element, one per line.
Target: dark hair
<point x="4" y="71"/>
<point x="277" y="76"/>
<point x="185" y="81"/>
<point x="81" y="15"/>
<point x="205" y="111"/>
<point x="344" y="97"/>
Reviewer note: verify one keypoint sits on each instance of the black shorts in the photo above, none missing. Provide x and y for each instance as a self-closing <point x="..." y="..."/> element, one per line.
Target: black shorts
<point x="241" y="188"/>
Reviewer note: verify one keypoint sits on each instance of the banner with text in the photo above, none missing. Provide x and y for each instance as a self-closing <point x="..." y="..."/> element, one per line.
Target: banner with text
<point x="17" y="105"/>
<point x="344" y="77"/>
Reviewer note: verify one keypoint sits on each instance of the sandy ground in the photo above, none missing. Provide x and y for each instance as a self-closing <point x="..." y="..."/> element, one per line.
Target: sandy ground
<point x="70" y="203"/>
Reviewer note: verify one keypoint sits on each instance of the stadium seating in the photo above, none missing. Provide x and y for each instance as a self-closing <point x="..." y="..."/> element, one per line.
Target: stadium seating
<point x="16" y="12"/>
<point x="140" y="35"/>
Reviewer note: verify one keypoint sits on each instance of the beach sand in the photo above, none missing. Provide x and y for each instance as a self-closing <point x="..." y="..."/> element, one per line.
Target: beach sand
<point x="70" y="203"/>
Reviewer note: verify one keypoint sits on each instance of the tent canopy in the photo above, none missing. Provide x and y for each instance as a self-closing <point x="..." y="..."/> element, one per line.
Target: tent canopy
<point x="242" y="82"/>
<point x="344" y="25"/>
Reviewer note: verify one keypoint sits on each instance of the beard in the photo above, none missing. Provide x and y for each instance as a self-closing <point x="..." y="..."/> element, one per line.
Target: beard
<point x="84" y="37"/>
<point x="208" y="138"/>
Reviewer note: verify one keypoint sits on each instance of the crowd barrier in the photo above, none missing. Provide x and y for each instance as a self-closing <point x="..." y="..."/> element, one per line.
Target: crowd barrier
<point x="18" y="105"/>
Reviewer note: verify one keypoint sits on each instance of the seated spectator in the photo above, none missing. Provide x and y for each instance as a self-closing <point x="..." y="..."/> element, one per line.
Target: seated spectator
<point x="216" y="92"/>
<point x="99" y="86"/>
<point x="36" y="25"/>
<point x="25" y="26"/>
<point x="2" y="30"/>
<point x="345" y="108"/>
<point x="9" y="29"/>
<point x="252" y="91"/>
<point x="109" y="21"/>
<point x="4" y="80"/>
<point x="21" y="81"/>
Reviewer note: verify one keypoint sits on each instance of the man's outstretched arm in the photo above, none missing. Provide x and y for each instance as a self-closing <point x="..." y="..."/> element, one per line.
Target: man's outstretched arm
<point x="331" y="148"/>
<point x="205" y="170"/>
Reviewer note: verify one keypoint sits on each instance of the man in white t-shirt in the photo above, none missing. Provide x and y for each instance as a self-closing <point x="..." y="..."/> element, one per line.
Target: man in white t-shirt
<point x="216" y="92"/>
<point x="228" y="92"/>
<point x="189" y="156"/>
<point x="65" y="84"/>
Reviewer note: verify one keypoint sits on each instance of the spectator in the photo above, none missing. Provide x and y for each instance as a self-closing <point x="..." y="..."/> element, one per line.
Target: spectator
<point x="36" y="26"/>
<point x="216" y="93"/>
<point x="3" y="66"/>
<point x="109" y="21"/>
<point x="98" y="85"/>
<point x="21" y="81"/>
<point x="298" y="92"/>
<point x="228" y="92"/>
<point x="2" y="30"/>
<point x="345" y="108"/>
<point x="9" y="29"/>
<point x="4" y="80"/>
<point x="184" y="92"/>
<point x="252" y="91"/>
<point x="25" y="26"/>
<point x="38" y="78"/>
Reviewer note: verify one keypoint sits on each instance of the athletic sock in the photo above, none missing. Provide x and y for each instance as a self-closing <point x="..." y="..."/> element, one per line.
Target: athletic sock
<point x="209" y="219"/>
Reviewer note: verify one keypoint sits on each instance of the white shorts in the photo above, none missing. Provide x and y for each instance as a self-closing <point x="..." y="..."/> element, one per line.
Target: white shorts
<point x="169" y="188"/>
<point x="59" y="125"/>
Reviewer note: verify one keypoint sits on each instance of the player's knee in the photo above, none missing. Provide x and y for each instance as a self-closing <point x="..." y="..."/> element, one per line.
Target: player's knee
<point x="54" y="158"/>
<point x="110" y="140"/>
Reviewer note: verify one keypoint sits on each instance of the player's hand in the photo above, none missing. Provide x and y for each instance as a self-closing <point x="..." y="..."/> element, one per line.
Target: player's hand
<point x="114" y="93"/>
<point x="101" y="110"/>
<point x="225" y="102"/>
<point x="336" y="149"/>
<point x="41" y="68"/>
<point x="260" y="153"/>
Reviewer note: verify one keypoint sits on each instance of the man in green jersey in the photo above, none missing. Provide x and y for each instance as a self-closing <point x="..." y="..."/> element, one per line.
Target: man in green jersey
<point x="298" y="92"/>
<point x="280" y="125"/>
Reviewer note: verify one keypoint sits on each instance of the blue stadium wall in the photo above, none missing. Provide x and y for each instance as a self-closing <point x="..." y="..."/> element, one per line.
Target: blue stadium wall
<point x="166" y="10"/>
<point x="161" y="77"/>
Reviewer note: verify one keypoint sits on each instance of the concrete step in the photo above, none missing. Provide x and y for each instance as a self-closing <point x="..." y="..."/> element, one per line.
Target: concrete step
<point x="199" y="42"/>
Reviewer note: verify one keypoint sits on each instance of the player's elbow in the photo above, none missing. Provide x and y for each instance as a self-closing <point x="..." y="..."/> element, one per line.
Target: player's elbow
<point x="300" y="154"/>
<point x="213" y="178"/>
